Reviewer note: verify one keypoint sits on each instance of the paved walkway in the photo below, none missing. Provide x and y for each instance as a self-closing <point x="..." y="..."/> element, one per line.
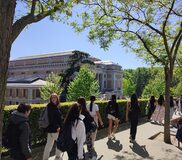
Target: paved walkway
<point x="144" y="148"/>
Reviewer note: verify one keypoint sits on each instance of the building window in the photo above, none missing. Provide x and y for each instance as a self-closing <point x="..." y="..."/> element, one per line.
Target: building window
<point x="12" y="73"/>
<point x="24" y="92"/>
<point x="16" y="102"/>
<point x="10" y="102"/>
<point x="22" y="72"/>
<point x="35" y="72"/>
<point x="37" y="93"/>
<point x="17" y="91"/>
<point x="104" y="84"/>
<point x="48" y="72"/>
<point x="10" y="92"/>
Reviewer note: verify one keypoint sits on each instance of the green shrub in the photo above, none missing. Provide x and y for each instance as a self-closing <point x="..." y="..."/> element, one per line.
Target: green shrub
<point x="39" y="137"/>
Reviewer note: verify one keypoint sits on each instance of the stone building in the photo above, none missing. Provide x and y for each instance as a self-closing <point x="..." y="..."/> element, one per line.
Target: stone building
<point x="108" y="73"/>
<point x="24" y="90"/>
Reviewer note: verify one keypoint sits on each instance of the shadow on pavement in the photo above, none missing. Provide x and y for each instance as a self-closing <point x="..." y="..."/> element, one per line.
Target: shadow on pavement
<point x="114" y="145"/>
<point x="102" y="133"/>
<point x="140" y="150"/>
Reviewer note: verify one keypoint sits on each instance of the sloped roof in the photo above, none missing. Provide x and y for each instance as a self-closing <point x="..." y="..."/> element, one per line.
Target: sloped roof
<point x="43" y="55"/>
<point x="23" y="80"/>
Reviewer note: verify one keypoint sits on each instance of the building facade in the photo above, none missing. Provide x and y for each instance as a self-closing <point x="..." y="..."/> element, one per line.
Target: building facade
<point x="108" y="73"/>
<point x="24" y="90"/>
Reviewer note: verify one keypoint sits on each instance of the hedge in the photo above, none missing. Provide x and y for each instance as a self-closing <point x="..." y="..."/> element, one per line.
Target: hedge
<point x="39" y="137"/>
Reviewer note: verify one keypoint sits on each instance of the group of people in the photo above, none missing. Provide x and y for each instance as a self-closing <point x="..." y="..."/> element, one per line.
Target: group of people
<point x="156" y="108"/>
<point x="81" y="117"/>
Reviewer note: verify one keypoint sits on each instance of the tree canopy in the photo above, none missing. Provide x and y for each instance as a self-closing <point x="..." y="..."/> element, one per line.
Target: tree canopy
<point x="151" y="29"/>
<point x="84" y="85"/>
<point x="52" y="86"/>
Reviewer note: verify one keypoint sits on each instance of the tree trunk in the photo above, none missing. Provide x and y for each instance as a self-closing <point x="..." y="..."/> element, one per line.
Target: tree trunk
<point x="168" y="78"/>
<point x="7" y="10"/>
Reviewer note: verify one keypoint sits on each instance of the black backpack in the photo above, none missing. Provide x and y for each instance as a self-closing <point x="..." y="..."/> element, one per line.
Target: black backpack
<point x="11" y="136"/>
<point x="65" y="141"/>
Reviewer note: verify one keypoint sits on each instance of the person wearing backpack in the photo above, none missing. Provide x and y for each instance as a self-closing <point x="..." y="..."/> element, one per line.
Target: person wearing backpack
<point x="78" y="133"/>
<point x="19" y="133"/>
<point x="55" y="125"/>
<point x="90" y="126"/>
<point x="112" y="112"/>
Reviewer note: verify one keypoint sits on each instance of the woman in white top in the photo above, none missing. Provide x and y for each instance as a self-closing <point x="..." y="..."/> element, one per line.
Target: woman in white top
<point x="75" y="118"/>
<point x="94" y="112"/>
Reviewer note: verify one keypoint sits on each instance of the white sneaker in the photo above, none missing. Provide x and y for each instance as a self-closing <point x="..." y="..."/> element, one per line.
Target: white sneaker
<point x="113" y="136"/>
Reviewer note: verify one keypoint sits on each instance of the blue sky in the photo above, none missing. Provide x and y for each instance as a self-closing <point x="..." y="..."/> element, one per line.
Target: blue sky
<point x="47" y="36"/>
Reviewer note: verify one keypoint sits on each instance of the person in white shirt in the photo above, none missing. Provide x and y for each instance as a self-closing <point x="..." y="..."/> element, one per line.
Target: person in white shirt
<point x="94" y="112"/>
<point x="75" y="118"/>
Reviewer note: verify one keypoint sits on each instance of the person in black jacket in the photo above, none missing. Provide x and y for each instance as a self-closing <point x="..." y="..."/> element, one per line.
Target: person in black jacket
<point x="21" y="150"/>
<point x="89" y="123"/>
<point x="132" y="113"/>
<point x="112" y="111"/>
<point x="55" y="126"/>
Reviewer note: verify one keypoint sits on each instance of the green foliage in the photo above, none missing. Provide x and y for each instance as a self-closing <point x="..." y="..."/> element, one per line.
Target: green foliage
<point x="39" y="136"/>
<point x="76" y="60"/>
<point x="155" y="86"/>
<point x="177" y="82"/>
<point x="128" y="87"/>
<point x="52" y="86"/>
<point x="135" y="80"/>
<point x="84" y="85"/>
<point x="141" y="78"/>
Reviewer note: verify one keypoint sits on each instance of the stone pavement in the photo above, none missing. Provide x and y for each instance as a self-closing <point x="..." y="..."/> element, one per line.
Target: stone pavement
<point x="144" y="148"/>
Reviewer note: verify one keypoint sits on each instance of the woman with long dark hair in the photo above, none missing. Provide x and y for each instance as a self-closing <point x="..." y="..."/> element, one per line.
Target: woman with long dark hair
<point x="132" y="113"/>
<point x="113" y="115"/>
<point x="94" y="112"/>
<point x="158" y="115"/>
<point x="89" y="122"/>
<point x="75" y="119"/>
<point x="151" y="106"/>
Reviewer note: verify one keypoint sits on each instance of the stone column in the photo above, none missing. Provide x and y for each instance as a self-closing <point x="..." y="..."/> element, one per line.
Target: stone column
<point x="30" y="95"/>
<point x="114" y="82"/>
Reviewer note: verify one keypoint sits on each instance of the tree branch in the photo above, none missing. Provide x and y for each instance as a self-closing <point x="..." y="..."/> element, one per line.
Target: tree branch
<point x="33" y="7"/>
<point x="163" y="30"/>
<point x="176" y="39"/>
<point x="147" y="48"/>
<point x="173" y="11"/>
<point x="177" y="47"/>
<point x="146" y="24"/>
<point x="20" y="24"/>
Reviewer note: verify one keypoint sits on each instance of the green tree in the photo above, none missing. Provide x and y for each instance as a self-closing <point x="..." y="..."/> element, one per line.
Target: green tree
<point x="84" y="85"/>
<point x="151" y="29"/>
<point x="75" y="62"/>
<point x="155" y="87"/>
<point x="16" y="15"/>
<point x="177" y="84"/>
<point x="128" y="87"/>
<point x="52" y="86"/>
<point x="142" y="76"/>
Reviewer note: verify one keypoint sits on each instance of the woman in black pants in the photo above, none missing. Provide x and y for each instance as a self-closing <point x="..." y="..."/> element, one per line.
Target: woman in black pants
<point x="132" y="112"/>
